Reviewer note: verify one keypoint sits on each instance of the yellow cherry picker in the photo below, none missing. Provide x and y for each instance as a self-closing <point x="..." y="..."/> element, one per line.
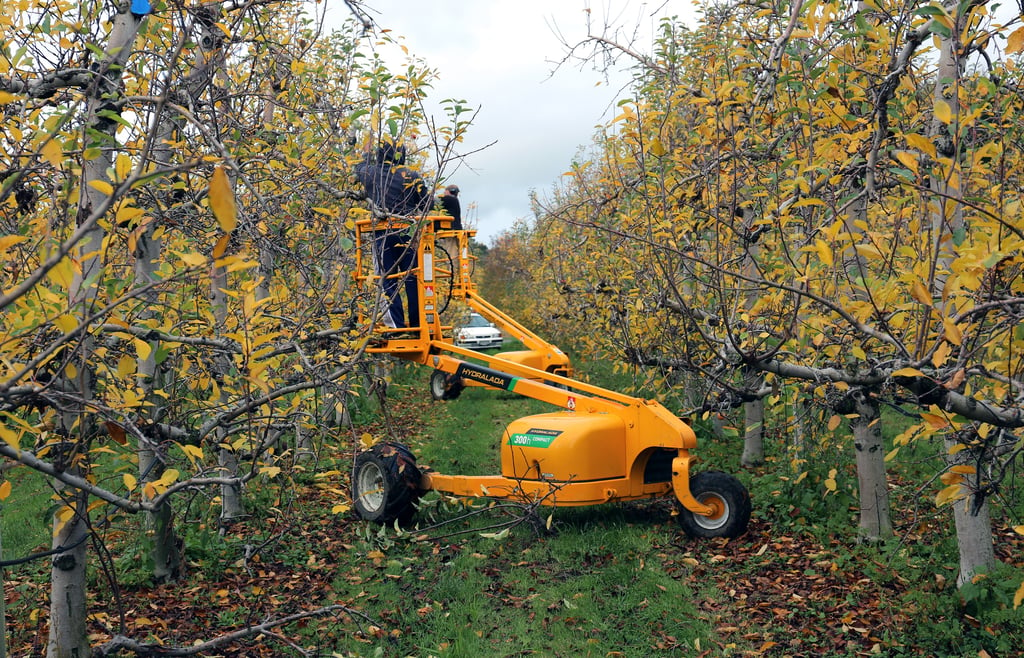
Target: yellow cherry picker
<point x="599" y="447"/>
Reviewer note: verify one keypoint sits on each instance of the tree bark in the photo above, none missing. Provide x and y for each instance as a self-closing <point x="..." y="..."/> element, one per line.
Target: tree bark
<point x="753" y="435"/>
<point x="68" y="637"/>
<point x="970" y="512"/>
<point x="972" y="521"/>
<point x="875" y="519"/>
<point x="232" y="506"/>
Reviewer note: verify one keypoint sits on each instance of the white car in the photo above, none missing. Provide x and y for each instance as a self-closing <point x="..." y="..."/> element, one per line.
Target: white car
<point x="478" y="334"/>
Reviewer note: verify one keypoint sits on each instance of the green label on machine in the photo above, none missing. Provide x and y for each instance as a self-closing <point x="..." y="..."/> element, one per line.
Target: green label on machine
<point x="534" y="438"/>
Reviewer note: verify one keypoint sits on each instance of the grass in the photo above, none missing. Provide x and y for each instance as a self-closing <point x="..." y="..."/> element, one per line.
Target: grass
<point x="622" y="579"/>
<point x="610" y="580"/>
<point x="24" y="518"/>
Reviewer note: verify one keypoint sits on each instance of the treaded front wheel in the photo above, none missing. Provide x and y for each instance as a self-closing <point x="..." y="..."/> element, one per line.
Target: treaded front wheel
<point x="444" y="386"/>
<point x="386" y="483"/>
<point x="727" y="496"/>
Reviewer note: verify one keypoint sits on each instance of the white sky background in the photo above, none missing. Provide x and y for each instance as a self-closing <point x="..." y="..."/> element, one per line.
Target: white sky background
<point x="498" y="56"/>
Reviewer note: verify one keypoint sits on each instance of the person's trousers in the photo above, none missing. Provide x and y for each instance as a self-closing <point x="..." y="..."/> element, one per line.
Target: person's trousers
<point x="395" y="258"/>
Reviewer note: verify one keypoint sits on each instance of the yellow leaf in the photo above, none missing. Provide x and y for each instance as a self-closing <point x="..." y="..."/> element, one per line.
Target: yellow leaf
<point x="10" y="437"/>
<point x="340" y="509"/>
<point x="964" y="469"/>
<point x="657" y="148"/>
<point x="940" y="355"/>
<point x="868" y="251"/>
<point x="271" y="471"/>
<point x="66" y="323"/>
<point x="7" y="97"/>
<point x="943" y="112"/>
<point x="920" y="293"/>
<point x="194" y="452"/>
<point x="8" y="241"/>
<point x="1014" y="44"/>
<point x="129" y="481"/>
<point x="953" y="333"/>
<point x="61" y="273"/>
<point x="142" y="348"/>
<point x="123" y="166"/>
<point x="61" y="517"/>
<point x="102" y="186"/>
<point x="908" y="372"/>
<point x="921" y="143"/>
<point x="53" y="153"/>
<point x="1019" y="529"/>
<point x="908" y="160"/>
<point x="221" y="246"/>
<point x="951" y="478"/>
<point x="830" y="481"/>
<point x="1018" y="598"/>
<point x="5" y="489"/>
<point x="824" y="252"/>
<point x="951" y="493"/>
<point x="169" y="477"/>
<point x="125" y="366"/>
<point x="366" y="440"/>
<point x="222" y="200"/>
<point x="858" y="352"/>
<point x="127" y="213"/>
<point x="192" y="259"/>
<point x="833" y="422"/>
<point x="935" y="421"/>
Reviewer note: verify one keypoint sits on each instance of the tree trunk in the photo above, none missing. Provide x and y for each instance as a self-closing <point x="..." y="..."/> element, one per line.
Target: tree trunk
<point x="970" y="514"/>
<point x="230" y="494"/>
<point x="972" y="521"/>
<point x="875" y="520"/>
<point x="68" y="633"/>
<point x="753" y="413"/>
<point x="753" y="436"/>
<point x="68" y="638"/>
<point x="159" y="524"/>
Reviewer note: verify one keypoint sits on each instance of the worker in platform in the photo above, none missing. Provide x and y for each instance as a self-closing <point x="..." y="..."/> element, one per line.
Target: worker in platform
<point x="394" y="189"/>
<point x="448" y="202"/>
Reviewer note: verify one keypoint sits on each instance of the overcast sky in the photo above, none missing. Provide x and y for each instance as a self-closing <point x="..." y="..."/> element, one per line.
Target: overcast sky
<point x="498" y="55"/>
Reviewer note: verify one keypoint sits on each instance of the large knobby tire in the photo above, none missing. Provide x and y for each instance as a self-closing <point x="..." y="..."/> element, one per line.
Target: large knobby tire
<point x="729" y="498"/>
<point x="386" y="483"/>
<point x="444" y="386"/>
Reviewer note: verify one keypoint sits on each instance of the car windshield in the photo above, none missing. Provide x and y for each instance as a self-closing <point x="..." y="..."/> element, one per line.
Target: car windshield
<point x="477" y="321"/>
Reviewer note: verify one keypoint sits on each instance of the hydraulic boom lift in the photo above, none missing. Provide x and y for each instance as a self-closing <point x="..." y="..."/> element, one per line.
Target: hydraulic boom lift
<point x="601" y="446"/>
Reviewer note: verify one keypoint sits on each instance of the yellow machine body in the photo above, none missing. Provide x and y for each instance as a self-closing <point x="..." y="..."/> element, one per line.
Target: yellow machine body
<point x="603" y="445"/>
<point x="564" y="447"/>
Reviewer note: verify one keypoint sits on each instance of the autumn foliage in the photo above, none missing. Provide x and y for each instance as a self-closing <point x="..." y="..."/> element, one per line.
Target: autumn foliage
<point x="811" y="207"/>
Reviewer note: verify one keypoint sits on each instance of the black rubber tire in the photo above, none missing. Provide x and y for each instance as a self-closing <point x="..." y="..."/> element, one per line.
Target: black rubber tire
<point x="386" y="483"/>
<point x="729" y="495"/>
<point x="444" y="386"/>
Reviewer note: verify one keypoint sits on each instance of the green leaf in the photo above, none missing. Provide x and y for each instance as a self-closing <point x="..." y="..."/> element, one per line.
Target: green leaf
<point x="939" y="29"/>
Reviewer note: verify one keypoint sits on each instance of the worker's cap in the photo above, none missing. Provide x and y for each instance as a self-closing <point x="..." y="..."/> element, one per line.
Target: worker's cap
<point x="452" y="189"/>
